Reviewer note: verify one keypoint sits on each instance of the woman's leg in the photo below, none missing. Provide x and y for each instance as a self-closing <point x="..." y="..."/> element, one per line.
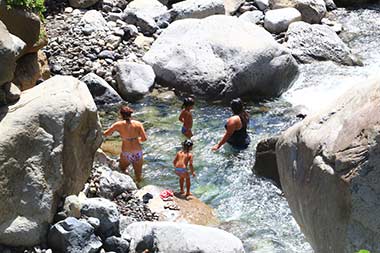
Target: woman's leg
<point x="137" y="167"/>
<point x="123" y="163"/>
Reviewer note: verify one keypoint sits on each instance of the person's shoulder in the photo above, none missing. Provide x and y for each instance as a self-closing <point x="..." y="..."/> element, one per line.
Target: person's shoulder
<point x="136" y="123"/>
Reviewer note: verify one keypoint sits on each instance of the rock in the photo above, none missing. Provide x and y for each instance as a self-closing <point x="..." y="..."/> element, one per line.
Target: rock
<point x="191" y="210"/>
<point x="94" y="20"/>
<point x="351" y="2"/>
<point x="134" y="80"/>
<point x="312" y="11"/>
<point x="72" y="235"/>
<point x="101" y="91"/>
<point x="94" y="222"/>
<point x="113" y="183"/>
<point x="310" y="43"/>
<point x="12" y="93"/>
<point x="143" y="42"/>
<point x="265" y="162"/>
<point x="27" y="71"/>
<point x="330" y="5"/>
<point x="335" y="26"/>
<point x="232" y="6"/>
<point x="116" y="244"/>
<point x="44" y="65"/>
<point x="130" y="31"/>
<point x="82" y="4"/>
<point x="329" y="170"/>
<point x="279" y="4"/>
<point x="197" y="9"/>
<point x="277" y="21"/>
<point x="196" y="56"/>
<point x="102" y="159"/>
<point x="15" y="20"/>
<point x="10" y="48"/>
<point x="144" y="13"/>
<point x="47" y="143"/>
<point x="106" y="211"/>
<point x="184" y="238"/>
<point x="262" y="4"/>
<point x="72" y="206"/>
<point x="254" y="17"/>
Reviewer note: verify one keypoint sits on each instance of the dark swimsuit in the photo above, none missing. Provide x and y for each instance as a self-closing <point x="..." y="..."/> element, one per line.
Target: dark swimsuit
<point x="240" y="138"/>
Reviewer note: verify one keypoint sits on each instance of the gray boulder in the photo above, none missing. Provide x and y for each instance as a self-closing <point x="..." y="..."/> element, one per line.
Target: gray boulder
<point x="329" y="167"/>
<point x="100" y="90"/>
<point x="116" y="244"/>
<point x="93" y="21"/>
<point x="170" y="237"/>
<point x="134" y="80"/>
<point x="232" y="6"/>
<point x="310" y="43"/>
<point x="106" y="211"/>
<point x="312" y="11"/>
<point x="83" y="4"/>
<point x="47" y="143"/>
<point x="254" y="17"/>
<point x="330" y="5"/>
<point x="197" y="9"/>
<point x="113" y="183"/>
<point x="195" y="55"/>
<point x="277" y="21"/>
<point x="72" y="235"/>
<point x="262" y="4"/>
<point x="10" y="48"/>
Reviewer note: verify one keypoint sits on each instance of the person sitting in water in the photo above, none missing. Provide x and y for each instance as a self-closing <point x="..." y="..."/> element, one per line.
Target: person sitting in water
<point x="132" y="134"/>
<point x="186" y="117"/>
<point x="182" y="160"/>
<point x="236" y="128"/>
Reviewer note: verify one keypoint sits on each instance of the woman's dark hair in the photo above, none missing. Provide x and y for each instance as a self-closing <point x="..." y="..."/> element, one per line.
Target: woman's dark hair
<point x="238" y="109"/>
<point x="126" y="112"/>
<point x="189" y="101"/>
<point x="186" y="145"/>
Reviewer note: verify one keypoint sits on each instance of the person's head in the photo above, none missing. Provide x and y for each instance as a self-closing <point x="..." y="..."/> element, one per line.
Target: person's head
<point x="187" y="145"/>
<point x="237" y="106"/>
<point x="188" y="102"/>
<point x="126" y="112"/>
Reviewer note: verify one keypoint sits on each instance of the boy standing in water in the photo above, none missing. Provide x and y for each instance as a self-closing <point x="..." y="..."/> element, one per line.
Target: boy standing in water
<point x="183" y="159"/>
<point x="186" y="117"/>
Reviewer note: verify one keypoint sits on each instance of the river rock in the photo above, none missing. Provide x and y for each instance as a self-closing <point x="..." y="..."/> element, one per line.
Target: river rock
<point x="82" y="4"/>
<point x="312" y="11"/>
<point x="47" y="143"/>
<point x="72" y="206"/>
<point x="44" y="65"/>
<point x="351" y="2"/>
<point x="106" y="211"/>
<point x="134" y="80"/>
<point x="10" y="49"/>
<point x="330" y="5"/>
<point x="116" y="244"/>
<point x="265" y="162"/>
<point x="101" y="91"/>
<point x="330" y="172"/>
<point x="179" y="237"/>
<point x="93" y="21"/>
<point x="277" y="21"/>
<point x="232" y="6"/>
<point x="15" y="20"/>
<point x="113" y="183"/>
<point x="197" y="9"/>
<point x="254" y="17"/>
<point x="72" y="235"/>
<point x="27" y="71"/>
<point x="12" y="93"/>
<point x="262" y="4"/>
<point x="310" y="43"/>
<point x="196" y="56"/>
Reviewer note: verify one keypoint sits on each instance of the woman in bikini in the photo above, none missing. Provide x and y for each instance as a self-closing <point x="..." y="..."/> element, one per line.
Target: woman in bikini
<point x="132" y="134"/>
<point x="236" y="128"/>
<point x="183" y="159"/>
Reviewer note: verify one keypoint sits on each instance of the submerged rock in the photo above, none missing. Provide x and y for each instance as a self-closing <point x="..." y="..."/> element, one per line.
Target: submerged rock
<point x="196" y="56"/>
<point x="329" y="167"/>
<point x="47" y="143"/>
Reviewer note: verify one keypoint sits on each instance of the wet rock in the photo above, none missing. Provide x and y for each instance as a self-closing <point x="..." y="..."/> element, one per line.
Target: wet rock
<point x="116" y="244"/>
<point x="277" y="21"/>
<point x="197" y="9"/>
<point x="106" y="212"/>
<point x="72" y="235"/>
<point x="310" y="43"/>
<point x="254" y="17"/>
<point x="224" y="70"/>
<point x="134" y="80"/>
<point x="113" y="183"/>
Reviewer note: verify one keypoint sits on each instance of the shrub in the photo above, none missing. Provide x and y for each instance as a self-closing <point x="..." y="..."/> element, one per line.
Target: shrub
<point x="37" y="6"/>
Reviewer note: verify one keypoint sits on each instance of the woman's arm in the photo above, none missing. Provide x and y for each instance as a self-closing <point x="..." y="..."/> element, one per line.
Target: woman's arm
<point x="229" y="131"/>
<point x="142" y="133"/>
<point x="112" y="129"/>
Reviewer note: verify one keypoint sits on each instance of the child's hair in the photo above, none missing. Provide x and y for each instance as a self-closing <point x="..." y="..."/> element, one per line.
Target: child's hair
<point x="186" y="145"/>
<point x="189" y="101"/>
<point x="126" y="112"/>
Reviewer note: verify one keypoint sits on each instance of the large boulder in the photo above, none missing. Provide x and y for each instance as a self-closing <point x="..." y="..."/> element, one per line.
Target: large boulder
<point x="195" y="55"/>
<point x="197" y="9"/>
<point x="310" y="43"/>
<point x="10" y="49"/>
<point x="329" y="167"/>
<point x="27" y="71"/>
<point x="47" y="143"/>
<point x="277" y="21"/>
<point x="15" y="19"/>
<point x="134" y="80"/>
<point x="178" y="237"/>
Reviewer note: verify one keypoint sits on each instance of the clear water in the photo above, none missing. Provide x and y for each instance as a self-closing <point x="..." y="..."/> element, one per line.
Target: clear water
<point x="248" y="206"/>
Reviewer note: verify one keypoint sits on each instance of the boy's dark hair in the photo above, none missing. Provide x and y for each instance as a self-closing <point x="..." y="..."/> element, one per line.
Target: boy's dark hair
<point x="187" y="145"/>
<point x="189" y="101"/>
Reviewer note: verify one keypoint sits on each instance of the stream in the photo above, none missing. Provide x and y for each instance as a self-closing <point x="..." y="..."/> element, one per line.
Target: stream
<point x="248" y="206"/>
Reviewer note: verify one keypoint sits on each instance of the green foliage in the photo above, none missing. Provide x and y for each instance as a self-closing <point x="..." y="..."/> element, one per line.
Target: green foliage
<point x="37" y="6"/>
<point x="363" y="251"/>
